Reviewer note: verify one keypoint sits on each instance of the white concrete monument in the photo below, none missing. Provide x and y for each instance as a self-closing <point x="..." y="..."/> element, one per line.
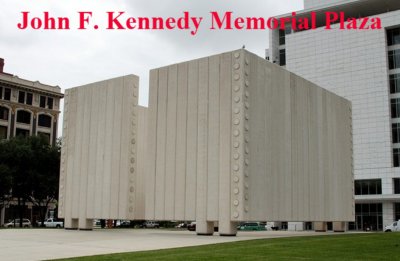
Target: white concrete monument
<point x="233" y="137"/>
<point x="99" y="157"/>
<point x="226" y="138"/>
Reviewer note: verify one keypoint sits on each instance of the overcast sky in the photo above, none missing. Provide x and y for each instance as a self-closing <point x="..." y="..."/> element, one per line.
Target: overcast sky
<point x="76" y="57"/>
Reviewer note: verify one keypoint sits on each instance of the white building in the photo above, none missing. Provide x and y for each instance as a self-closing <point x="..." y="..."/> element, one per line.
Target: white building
<point x="364" y="67"/>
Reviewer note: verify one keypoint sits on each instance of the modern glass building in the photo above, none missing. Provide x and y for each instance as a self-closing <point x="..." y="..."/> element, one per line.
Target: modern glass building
<point x="364" y="67"/>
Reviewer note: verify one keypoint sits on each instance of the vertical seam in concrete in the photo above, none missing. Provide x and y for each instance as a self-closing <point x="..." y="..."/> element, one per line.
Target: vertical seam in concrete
<point x="309" y="145"/>
<point x="165" y="144"/>
<point x="186" y="139"/>
<point x="176" y="138"/>
<point x="155" y="145"/>
<point x="112" y="130"/>
<point x="293" y="125"/>
<point x="120" y="147"/>
<point x="87" y="170"/>
<point x="219" y="130"/>
<point x="207" y="136"/>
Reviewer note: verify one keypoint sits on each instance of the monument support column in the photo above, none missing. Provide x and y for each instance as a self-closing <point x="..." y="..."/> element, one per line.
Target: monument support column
<point x="339" y="226"/>
<point x="227" y="228"/>
<point x="204" y="228"/>
<point x="71" y="224"/>
<point x="85" y="224"/>
<point x="320" y="226"/>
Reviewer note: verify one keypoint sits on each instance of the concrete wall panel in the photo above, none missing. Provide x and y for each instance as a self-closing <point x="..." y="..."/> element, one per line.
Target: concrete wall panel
<point x="180" y="159"/>
<point x="226" y="138"/>
<point x="99" y="169"/>
<point x="265" y="142"/>
<point x="152" y="146"/>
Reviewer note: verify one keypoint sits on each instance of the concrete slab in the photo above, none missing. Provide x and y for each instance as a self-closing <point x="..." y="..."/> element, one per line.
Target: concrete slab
<point x="42" y="244"/>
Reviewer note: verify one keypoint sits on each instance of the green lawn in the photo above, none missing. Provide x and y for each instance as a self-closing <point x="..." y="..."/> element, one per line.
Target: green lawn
<point x="368" y="246"/>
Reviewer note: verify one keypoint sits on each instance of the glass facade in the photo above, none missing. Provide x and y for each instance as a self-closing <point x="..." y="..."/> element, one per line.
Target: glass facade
<point x="396" y="157"/>
<point x="394" y="59"/>
<point x="396" y="186"/>
<point x="396" y="211"/>
<point x="368" y="217"/>
<point x="282" y="40"/>
<point x="282" y="62"/>
<point x="394" y="80"/>
<point x="395" y="132"/>
<point x="393" y="36"/>
<point x="395" y="108"/>
<point x="368" y="187"/>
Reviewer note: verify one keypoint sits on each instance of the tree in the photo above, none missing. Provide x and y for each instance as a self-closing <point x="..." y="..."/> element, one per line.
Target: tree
<point x="44" y="176"/>
<point x="5" y="187"/>
<point x="34" y="165"/>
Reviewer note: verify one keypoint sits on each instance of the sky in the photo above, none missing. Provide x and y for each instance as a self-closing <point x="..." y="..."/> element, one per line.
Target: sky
<point x="70" y="58"/>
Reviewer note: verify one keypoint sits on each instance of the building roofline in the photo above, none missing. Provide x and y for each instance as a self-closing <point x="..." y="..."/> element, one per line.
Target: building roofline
<point x="37" y="86"/>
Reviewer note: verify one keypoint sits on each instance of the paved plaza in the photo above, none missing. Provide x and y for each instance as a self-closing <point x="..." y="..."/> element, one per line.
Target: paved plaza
<point x="42" y="244"/>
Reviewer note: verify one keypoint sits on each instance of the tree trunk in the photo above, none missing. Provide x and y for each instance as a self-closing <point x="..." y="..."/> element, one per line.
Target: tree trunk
<point x="20" y="214"/>
<point x="1" y="215"/>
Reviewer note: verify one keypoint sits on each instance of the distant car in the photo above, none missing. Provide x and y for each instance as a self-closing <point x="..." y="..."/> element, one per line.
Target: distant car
<point x="181" y="225"/>
<point x="52" y="222"/>
<point x="394" y="227"/>
<point x="125" y="224"/>
<point x="251" y="226"/>
<point x="151" y="224"/>
<point x="96" y="223"/>
<point x="192" y="226"/>
<point x="25" y="223"/>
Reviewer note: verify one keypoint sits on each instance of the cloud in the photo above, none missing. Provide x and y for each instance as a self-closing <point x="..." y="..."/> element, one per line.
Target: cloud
<point x="74" y="57"/>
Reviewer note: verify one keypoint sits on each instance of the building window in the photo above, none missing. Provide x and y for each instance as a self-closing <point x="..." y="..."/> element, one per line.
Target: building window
<point x="44" y="121"/>
<point x="21" y="97"/>
<point x="396" y="186"/>
<point x="50" y="103"/>
<point x="21" y="133"/>
<point x="25" y="97"/>
<point x="24" y="117"/>
<point x="395" y="108"/>
<point x="281" y="37"/>
<point x="394" y="80"/>
<point x="3" y="132"/>
<point x="369" y="216"/>
<point x="393" y="36"/>
<point x="29" y="98"/>
<point x="45" y="136"/>
<point x="7" y="94"/>
<point x="42" y="102"/>
<point x="282" y="59"/>
<point x="396" y="211"/>
<point x="396" y="132"/>
<point x="396" y="157"/>
<point x="394" y="59"/>
<point x="4" y="113"/>
<point x="368" y="187"/>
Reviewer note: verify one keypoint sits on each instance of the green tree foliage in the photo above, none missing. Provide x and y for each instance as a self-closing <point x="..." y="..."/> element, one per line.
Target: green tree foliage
<point x="34" y="169"/>
<point x="5" y="186"/>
